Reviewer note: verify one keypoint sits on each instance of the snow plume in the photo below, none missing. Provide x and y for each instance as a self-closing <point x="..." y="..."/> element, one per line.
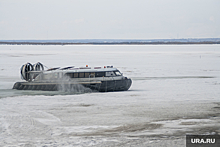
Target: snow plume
<point x="70" y="86"/>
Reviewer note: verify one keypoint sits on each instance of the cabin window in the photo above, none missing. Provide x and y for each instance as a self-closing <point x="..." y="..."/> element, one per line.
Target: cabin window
<point x="99" y="74"/>
<point x="86" y="74"/>
<point x="109" y="74"/>
<point x="117" y="73"/>
<point x="81" y="75"/>
<point x="75" y="75"/>
<point x="69" y="75"/>
<point x="92" y="75"/>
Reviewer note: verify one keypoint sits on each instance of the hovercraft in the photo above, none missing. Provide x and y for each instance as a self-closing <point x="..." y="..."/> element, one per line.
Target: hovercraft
<point x="102" y="79"/>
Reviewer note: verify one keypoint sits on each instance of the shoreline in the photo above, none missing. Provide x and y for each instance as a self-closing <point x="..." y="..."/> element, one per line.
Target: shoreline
<point x="107" y="43"/>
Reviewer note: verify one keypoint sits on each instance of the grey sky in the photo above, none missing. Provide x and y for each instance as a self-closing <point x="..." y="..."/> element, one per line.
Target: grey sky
<point x="109" y="19"/>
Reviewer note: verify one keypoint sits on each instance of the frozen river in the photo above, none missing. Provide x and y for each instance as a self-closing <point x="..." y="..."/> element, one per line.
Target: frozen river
<point x="175" y="91"/>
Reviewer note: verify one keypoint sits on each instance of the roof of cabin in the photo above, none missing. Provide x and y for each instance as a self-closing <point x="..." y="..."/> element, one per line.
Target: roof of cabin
<point x="84" y="70"/>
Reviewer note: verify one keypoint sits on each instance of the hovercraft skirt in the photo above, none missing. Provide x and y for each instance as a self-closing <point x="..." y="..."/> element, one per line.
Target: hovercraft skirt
<point x="101" y="86"/>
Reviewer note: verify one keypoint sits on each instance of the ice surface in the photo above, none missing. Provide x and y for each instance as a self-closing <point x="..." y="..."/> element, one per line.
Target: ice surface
<point x="175" y="91"/>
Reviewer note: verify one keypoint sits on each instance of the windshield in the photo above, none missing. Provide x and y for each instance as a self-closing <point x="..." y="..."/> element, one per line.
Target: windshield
<point x="117" y="73"/>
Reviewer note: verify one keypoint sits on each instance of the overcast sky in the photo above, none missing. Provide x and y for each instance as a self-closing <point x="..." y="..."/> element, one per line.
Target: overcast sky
<point x="109" y="19"/>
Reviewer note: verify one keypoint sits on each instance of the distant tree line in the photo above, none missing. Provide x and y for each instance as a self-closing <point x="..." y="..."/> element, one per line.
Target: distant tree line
<point x="105" y="43"/>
